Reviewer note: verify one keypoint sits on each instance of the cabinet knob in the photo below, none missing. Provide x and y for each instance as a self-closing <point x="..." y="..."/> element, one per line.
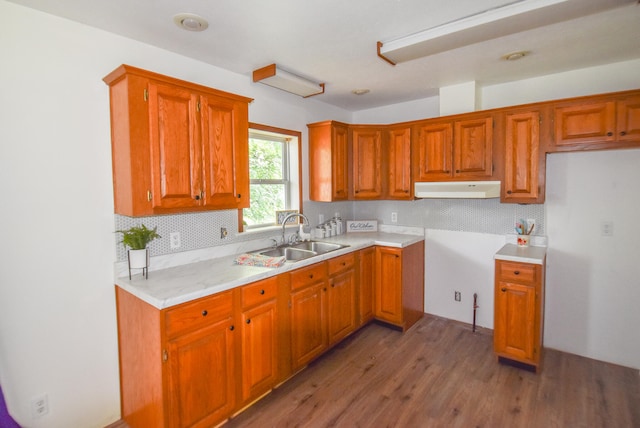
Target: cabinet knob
<point x="503" y="289"/>
<point x="457" y="171"/>
<point x="311" y="276"/>
<point x="508" y="192"/>
<point x="357" y="191"/>
<point x="205" y="313"/>
<point x="516" y="272"/>
<point x="249" y="321"/>
<point x="197" y="197"/>
<point x="232" y="328"/>
<point x="239" y="195"/>
<point x="261" y="291"/>
<point x="623" y="133"/>
<point x="609" y="134"/>
<point x="333" y="285"/>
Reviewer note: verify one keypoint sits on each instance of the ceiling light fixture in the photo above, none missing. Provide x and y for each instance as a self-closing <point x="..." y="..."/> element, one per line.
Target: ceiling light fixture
<point x="360" y="91"/>
<point x="514" y="17"/>
<point x="514" y="56"/>
<point x="276" y="77"/>
<point x="190" y="22"/>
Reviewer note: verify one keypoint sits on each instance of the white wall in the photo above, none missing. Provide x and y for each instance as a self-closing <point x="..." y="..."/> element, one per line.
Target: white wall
<point x="57" y="308"/>
<point x="593" y="281"/>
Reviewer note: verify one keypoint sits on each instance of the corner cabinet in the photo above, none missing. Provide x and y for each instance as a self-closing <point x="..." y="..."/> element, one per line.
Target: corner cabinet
<point x="328" y="161"/>
<point x="176" y="146"/>
<point x="399" y="285"/>
<point x="519" y="309"/>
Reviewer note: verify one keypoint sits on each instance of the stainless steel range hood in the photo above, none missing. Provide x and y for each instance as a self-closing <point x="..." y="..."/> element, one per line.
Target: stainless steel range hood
<point x="458" y="189"/>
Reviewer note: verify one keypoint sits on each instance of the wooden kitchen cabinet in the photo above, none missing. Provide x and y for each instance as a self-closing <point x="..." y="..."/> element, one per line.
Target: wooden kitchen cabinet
<point x="397" y="164"/>
<point x="597" y="122"/>
<point x="453" y="149"/>
<point x="524" y="170"/>
<point x="341" y="299"/>
<point x="399" y="285"/>
<point x="176" y="146"/>
<point x="328" y="161"/>
<point x="177" y="366"/>
<point x="366" y="165"/>
<point x="519" y="312"/>
<point x="366" y="283"/>
<point x="259" y="332"/>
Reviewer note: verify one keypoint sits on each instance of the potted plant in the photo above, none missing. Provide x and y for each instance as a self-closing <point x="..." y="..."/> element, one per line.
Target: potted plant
<point x="137" y="238"/>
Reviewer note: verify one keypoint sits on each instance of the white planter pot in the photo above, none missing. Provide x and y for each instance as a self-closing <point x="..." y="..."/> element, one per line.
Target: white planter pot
<point x="138" y="259"/>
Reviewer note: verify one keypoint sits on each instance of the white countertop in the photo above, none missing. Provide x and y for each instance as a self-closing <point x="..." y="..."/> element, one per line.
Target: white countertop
<point x="515" y="253"/>
<point x="168" y="287"/>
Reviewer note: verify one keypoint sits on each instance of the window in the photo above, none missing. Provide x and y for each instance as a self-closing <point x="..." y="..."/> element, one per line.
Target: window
<point x="274" y="172"/>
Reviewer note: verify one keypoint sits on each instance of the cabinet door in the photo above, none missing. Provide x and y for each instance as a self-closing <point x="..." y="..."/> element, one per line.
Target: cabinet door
<point x="259" y="350"/>
<point x="522" y="145"/>
<point x="629" y="119"/>
<point x="175" y="150"/>
<point x="341" y="305"/>
<point x="340" y="162"/>
<point x="328" y="162"/>
<point x="224" y="155"/>
<point x="366" y="283"/>
<point x="514" y="328"/>
<point x="388" y="302"/>
<point x="201" y="376"/>
<point x="433" y="154"/>
<point x="399" y="164"/>
<point x="585" y="123"/>
<point x="308" y="324"/>
<point x="367" y="160"/>
<point x="473" y="148"/>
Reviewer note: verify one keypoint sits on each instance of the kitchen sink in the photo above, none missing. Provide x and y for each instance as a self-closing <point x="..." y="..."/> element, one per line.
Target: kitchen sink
<point x="318" y="247"/>
<point x="301" y="250"/>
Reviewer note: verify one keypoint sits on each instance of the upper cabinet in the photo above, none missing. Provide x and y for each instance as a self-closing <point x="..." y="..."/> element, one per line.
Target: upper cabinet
<point x="177" y="146"/>
<point x="454" y="149"/>
<point x="328" y="161"/>
<point x="397" y="163"/>
<point x="597" y="123"/>
<point x="366" y="165"/>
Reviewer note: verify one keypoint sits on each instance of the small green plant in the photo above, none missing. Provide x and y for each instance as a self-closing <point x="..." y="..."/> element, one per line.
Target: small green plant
<point x="137" y="237"/>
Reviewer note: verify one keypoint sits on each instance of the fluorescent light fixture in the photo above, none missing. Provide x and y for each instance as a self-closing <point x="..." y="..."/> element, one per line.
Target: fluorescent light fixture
<point x="276" y="77"/>
<point x="514" y="17"/>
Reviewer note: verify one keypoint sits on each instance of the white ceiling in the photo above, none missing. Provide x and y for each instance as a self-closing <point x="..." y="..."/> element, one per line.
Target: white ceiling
<point x="334" y="41"/>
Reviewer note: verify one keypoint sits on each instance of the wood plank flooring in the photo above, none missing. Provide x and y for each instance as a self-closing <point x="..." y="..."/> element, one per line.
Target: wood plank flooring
<point x="440" y="374"/>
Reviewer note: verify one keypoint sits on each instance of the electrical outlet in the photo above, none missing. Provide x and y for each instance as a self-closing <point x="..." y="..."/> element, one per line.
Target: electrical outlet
<point x="223" y="233"/>
<point x="607" y="228"/>
<point x="174" y="240"/>
<point x="39" y="406"/>
<point x="457" y="296"/>
<point x="394" y="217"/>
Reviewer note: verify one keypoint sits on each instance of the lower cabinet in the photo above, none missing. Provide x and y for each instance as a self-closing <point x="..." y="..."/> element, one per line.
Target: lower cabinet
<point x="195" y="364"/>
<point x="519" y="309"/>
<point x="399" y="285"/>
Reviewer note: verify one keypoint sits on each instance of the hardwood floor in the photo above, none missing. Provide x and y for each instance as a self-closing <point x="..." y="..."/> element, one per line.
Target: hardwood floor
<point x="440" y="374"/>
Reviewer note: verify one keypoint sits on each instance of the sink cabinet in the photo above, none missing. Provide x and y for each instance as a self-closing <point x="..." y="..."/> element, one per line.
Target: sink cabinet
<point x="177" y="146"/>
<point x="341" y="299"/>
<point x="519" y="312"/>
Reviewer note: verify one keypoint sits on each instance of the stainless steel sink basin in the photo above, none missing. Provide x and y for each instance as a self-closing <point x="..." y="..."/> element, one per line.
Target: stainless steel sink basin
<point x="291" y="254"/>
<point x="318" y="247"/>
<point x="301" y="250"/>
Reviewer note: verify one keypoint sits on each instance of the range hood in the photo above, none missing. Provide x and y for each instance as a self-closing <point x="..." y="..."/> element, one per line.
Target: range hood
<point x="458" y="189"/>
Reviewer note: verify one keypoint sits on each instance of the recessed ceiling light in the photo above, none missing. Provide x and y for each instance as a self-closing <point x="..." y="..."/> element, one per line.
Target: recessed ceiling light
<point x="360" y="91"/>
<point x="190" y="22"/>
<point x="514" y="56"/>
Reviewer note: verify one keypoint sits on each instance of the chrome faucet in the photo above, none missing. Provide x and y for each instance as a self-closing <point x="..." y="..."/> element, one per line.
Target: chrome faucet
<point x="284" y="222"/>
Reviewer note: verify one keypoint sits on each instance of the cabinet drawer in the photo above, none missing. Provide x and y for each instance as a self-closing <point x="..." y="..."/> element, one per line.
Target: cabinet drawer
<point x="519" y="272"/>
<point x="199" y="313"/>
<point x="308" y="275"/>
<point x="341" y="263"/>
<point x="259" y="292"/>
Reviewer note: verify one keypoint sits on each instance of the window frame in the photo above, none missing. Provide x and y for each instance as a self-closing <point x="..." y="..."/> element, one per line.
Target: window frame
<point x="285" y="132"/>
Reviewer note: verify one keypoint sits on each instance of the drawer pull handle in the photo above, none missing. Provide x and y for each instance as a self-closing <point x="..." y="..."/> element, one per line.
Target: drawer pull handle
<point x="205" y="313"/>
<point x="232" y="328"/>
<point x="503" y="289"/>
<point x="249" y="321"/>
<point x="516" y="272"/>
<point x="261" y="291"/>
